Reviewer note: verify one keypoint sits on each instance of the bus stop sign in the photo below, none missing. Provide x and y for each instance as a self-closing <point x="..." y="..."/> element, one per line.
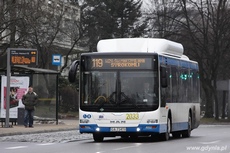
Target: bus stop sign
<point x="56" y="59"/>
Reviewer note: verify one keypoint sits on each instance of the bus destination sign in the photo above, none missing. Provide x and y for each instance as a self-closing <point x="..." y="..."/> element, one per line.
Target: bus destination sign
<point x="121" y="63"/>
<point x="23" y="57"/>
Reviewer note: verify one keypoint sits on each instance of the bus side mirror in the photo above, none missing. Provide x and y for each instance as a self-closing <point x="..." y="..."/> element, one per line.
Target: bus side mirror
<point x="73" y="71"/>
<point x="163" y="76"/>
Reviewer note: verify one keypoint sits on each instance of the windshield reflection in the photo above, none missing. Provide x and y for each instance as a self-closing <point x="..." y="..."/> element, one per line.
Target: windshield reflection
<point x="119" y="91"/>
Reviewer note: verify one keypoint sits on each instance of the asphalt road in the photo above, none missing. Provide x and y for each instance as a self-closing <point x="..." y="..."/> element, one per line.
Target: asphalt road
<point x="207" y="138"/>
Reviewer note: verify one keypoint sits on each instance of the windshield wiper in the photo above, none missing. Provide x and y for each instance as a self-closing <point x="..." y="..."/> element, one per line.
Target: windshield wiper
<point x="127" y="100"/>
<point x="111" y="99"/>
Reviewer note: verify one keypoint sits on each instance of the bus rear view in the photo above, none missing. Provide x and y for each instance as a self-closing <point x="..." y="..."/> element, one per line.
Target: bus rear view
<point x="123" y="90"/>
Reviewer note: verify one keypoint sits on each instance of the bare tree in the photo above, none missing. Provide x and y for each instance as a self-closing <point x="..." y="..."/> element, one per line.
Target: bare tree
<point x="163" y="18"/>
<point x="75" y="32"/>
<point x="203" y="27"/>
<point x="39" y="27"/>
<point x="207" y="29"/>
<point x="48" y="27"/>
<point x="8" y="22"/>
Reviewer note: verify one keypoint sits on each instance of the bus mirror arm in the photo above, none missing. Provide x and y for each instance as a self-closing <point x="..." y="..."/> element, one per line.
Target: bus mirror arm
<point x="163" y="77"/>
<point x="73" y="71"/>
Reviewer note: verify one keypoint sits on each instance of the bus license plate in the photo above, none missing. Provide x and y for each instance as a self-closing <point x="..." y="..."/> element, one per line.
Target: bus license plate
<point x="117" y="129"/>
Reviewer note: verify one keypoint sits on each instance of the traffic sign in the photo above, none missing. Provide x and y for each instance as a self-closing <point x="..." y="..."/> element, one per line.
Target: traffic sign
<point x="56" y="59"/>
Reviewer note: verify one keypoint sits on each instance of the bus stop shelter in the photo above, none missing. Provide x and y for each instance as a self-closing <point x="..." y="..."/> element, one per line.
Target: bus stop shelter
<point x="45" y="84"/>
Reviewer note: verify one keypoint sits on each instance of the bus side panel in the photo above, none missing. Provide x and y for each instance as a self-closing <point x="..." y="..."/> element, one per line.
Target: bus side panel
<point x="163" y="119"/>
<point x="180" y="115"/>
<point x="196" y="118"/>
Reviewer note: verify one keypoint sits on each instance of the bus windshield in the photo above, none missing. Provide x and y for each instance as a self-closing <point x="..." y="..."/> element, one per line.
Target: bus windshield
<point x="119" y="91"/>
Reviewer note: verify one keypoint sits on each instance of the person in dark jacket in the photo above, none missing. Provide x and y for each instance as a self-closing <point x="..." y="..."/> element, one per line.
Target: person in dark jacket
<point x="29" y="100"/>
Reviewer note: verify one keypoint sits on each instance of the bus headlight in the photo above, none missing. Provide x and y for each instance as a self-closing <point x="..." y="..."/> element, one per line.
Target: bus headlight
<point x="97" y="129"/>
<point x="152" y="121"/>
<point x="138" y="129"/>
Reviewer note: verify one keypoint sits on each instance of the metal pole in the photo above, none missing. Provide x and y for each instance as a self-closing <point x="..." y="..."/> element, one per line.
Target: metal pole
<point x="57" y="99"/>
<point x="8" y="90"/>
<point x="228" y="99"/>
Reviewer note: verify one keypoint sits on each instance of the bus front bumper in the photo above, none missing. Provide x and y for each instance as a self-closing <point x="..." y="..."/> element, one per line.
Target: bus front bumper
<point x="141" y="128"/>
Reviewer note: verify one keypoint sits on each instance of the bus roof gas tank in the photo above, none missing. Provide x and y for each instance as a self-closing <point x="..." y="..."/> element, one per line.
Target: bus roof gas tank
<point x="151" y="45"/>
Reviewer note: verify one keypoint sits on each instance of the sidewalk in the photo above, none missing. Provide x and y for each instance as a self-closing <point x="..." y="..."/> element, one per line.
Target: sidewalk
<point x="63" y="125"/>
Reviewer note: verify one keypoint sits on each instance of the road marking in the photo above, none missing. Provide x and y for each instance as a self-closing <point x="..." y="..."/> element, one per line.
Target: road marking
<point x="127" y="147"/>
<point x="211" y="142"/>
<point x="124" y="148"/>
<point x="17" y="147"/>
<point x="45" y="144"/>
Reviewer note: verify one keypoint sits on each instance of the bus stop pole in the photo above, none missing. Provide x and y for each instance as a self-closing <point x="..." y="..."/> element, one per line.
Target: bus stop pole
<point x="8" y="90"/>
<point x="228" y="109"/>
<point x="57" y="99"/>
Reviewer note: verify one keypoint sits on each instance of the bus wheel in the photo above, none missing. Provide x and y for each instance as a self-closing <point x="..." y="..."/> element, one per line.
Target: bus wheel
<point x="98" y="137"/>
<point x="133" y="137"/>
<point x="176" y="134"/>
<point x="124" y="136"/>
<point x="187" y="132"/>
<point x="165" y="136"/>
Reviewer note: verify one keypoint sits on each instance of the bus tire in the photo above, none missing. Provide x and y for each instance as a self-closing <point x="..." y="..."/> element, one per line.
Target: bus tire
<point x="124" y="136"/>
<point x="176" y="134"/>
<point x="98" y="137"/>
<point x="165" y="136"/>
<point x="187" y="133"/>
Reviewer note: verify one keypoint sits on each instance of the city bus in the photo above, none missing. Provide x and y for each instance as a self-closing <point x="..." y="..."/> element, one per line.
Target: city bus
<point x="135" y="87"/>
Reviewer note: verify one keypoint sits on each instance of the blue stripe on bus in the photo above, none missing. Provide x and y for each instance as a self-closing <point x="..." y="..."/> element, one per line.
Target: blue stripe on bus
<point x="155" y="128"/>
<point x="158" y="128"/>
<point x="179" y="126"/>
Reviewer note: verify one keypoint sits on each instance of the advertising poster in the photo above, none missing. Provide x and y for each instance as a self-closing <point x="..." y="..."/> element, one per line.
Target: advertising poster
<point x="18" y="87"/>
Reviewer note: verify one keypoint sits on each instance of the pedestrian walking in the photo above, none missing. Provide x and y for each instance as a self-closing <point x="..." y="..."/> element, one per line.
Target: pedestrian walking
<point x="29" y="100"/>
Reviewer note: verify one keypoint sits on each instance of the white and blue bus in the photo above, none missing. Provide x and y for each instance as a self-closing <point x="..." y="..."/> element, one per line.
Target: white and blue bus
<point x="136" y="87"/>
